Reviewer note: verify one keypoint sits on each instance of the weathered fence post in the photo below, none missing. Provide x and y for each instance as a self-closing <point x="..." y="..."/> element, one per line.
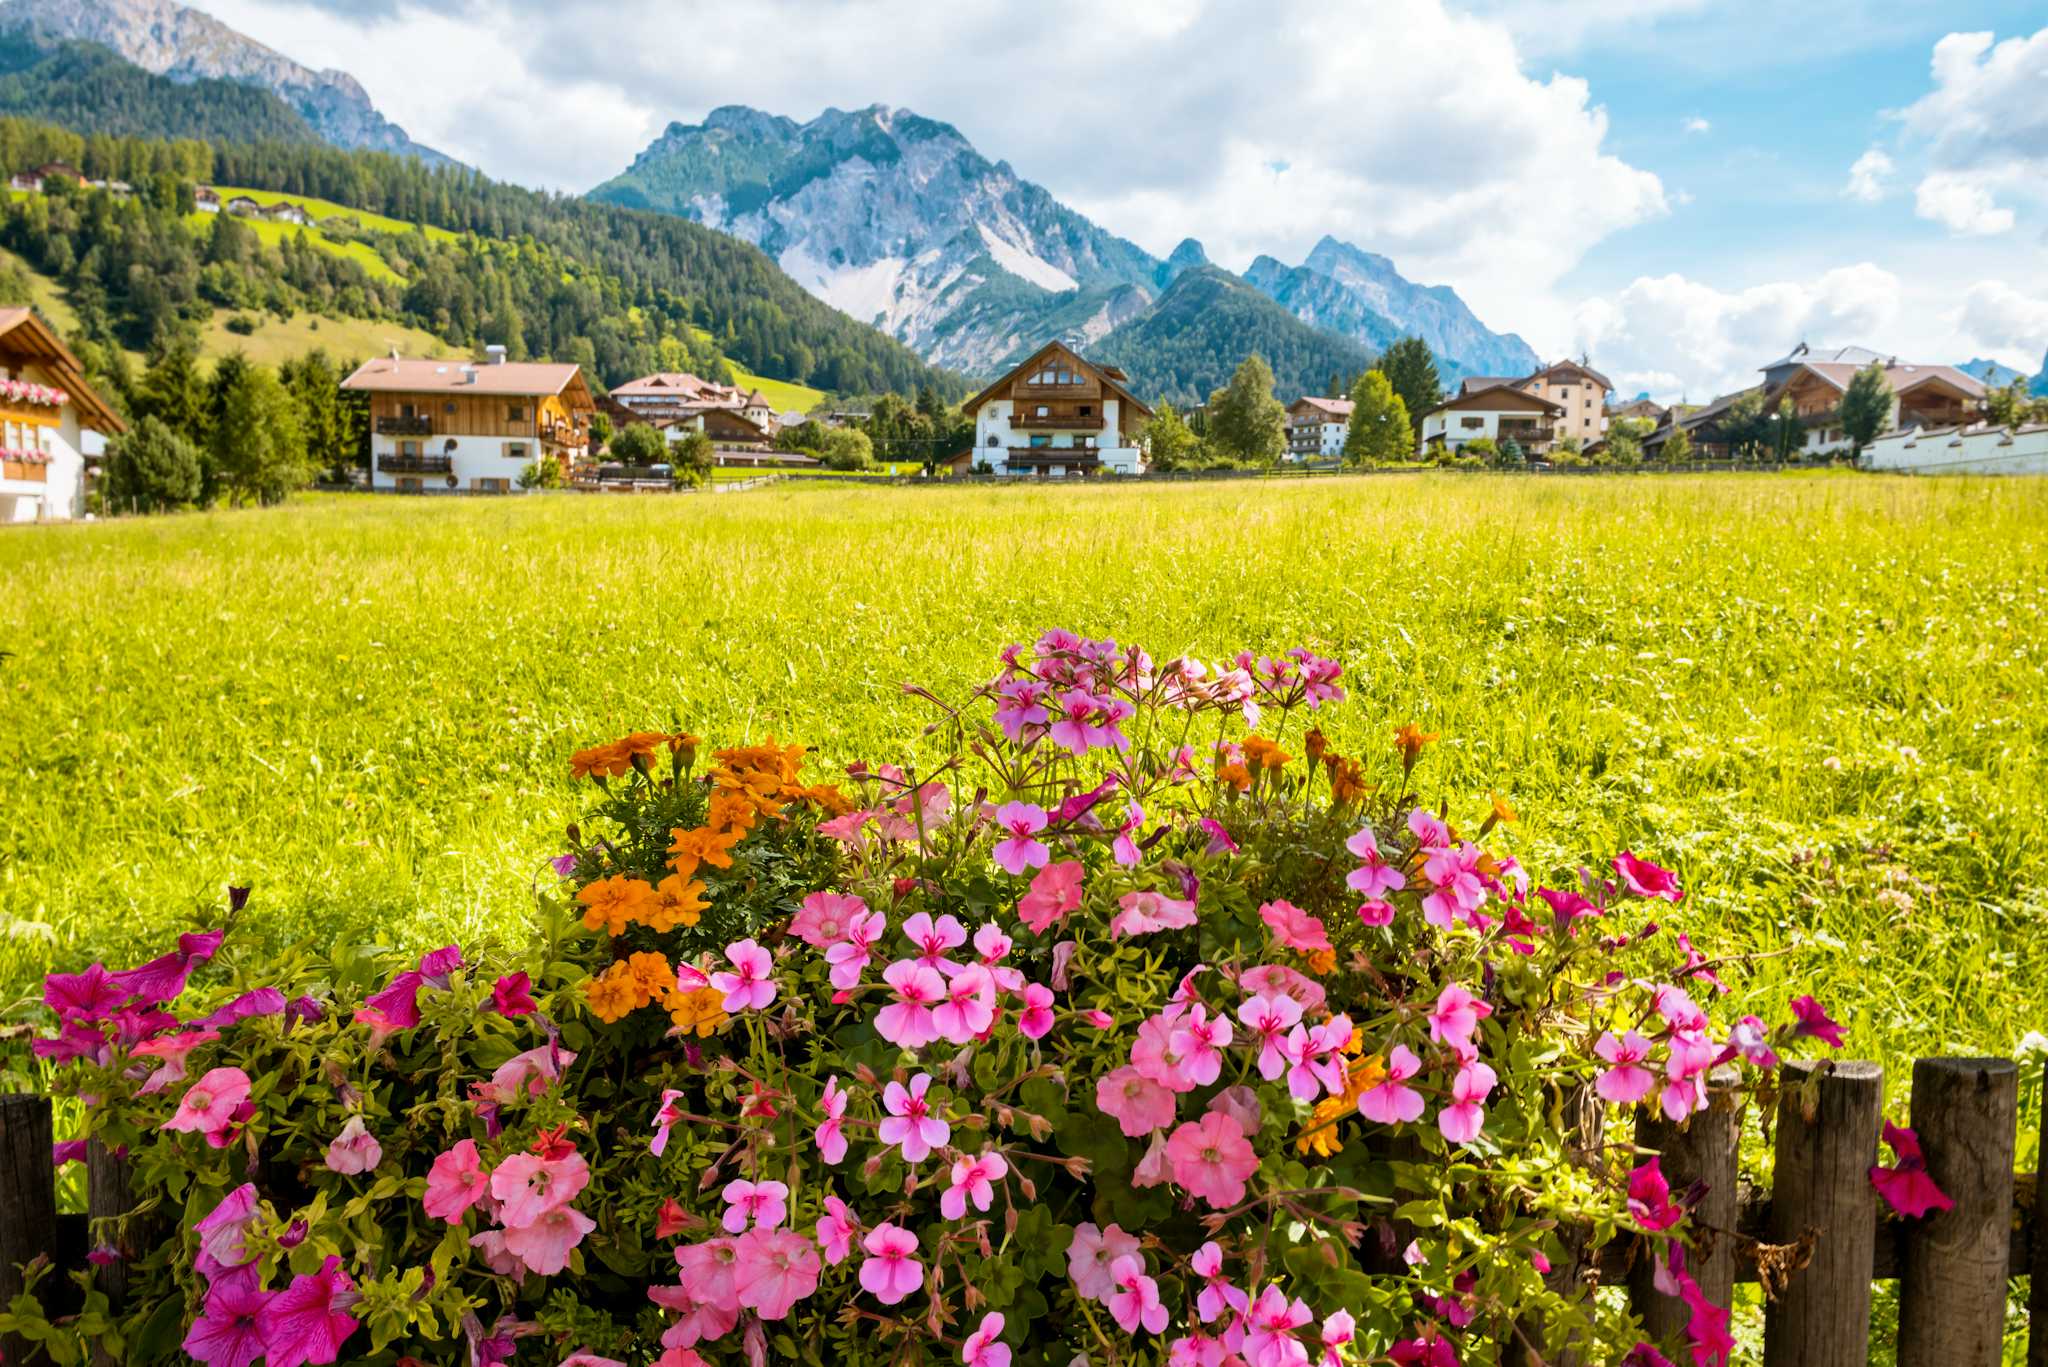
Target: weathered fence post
<point x="1704" y="1149"/>
<point x="28" y="1201"/>
<point x="1823" y="1183"/>
<point x="2037" y="1301"/>
<point x="110" y="1196"/>
<point x="1952" y="1283"/>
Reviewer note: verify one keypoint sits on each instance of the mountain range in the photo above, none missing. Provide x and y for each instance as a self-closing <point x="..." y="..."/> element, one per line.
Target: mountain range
<point x="900" y="221"/>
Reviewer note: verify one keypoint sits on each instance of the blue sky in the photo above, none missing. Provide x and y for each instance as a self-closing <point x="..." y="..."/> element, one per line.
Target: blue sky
<point x="1544" y="157"/>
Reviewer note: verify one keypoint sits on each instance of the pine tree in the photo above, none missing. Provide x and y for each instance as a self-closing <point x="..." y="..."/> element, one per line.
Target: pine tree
<point x="258" y="450"/>
<point x="151" y="467"/>
<point x="1411" y="370"/>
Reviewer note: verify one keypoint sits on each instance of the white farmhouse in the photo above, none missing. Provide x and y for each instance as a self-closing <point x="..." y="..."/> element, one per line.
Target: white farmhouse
<point x="1316" y="427"/>
<point x="1499" y="412"/>
<point x="1058" y="415"/>
<point x="451" y="426"/>
<point x="45" y="405"/>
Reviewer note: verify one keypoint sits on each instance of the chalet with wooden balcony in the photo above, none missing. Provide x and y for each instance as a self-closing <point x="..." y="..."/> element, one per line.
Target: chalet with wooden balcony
<point x="1924" y="396"/>
<point x="1058" y="415"/>
<point x="45" y="408"/>
<point x="1316" y="428"/>
<point x="1499" y="412"/>
<point x="454" y="426"/>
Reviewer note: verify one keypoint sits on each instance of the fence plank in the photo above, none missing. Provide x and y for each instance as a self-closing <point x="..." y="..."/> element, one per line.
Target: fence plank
<point x="1823" y="1183"/>
<point x="110" y="1196"/>
<point x="1952" y="1287"/>
<point x="28" y="1200"/>
<point x="2037" y="1300"/>
<point x="1704" y="1149"/>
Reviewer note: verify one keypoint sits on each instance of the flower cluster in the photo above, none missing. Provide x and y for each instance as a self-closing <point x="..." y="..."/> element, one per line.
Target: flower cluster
<point x="27" y="391"/>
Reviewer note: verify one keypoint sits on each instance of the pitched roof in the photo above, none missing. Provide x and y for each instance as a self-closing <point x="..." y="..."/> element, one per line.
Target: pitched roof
<point x="23" y="331"/>
<point x="1111" y="377"/>
<point x="1497" y="397"/>
<point x="1900" y="376"/>
<point x="390" y="375"/>
<point x="1335" y="408"/>
<point x="1472" y="383"/>
<point x="1578" y="366"/>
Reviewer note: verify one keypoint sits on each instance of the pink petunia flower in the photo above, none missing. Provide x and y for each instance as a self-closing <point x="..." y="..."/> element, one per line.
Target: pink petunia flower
<point x="1645" y="879"/>
<point x="173" y="1050"/>
<point x="544" y="1245"/>
<point x="1035" y="1021"/>
<point x="973" y="1179"/>
<point x="260" y="1001"/>
<point x="1392" y="1102"/>
<point x="1090" y="1255"/>
<point x="1020" y="849"/>
<point x="836" y="1229"/>
<point x="1627" y="1081"/>
<point x="1906" y="1185"/>
<point x="1134" y="1298"/>
<point x="528" y="1186"/>
<point x="711" y="1272"/>
<point x="908" y="1022"/>
<point x="222" y="1233"/>
<point x="1055" y="891"/>
<point x="1294" y="928"/>
<point x="891" y="1271"/>
<point x="748" y="987"/>
<point x="1144" y="912"/>
<point x="1212" y="1159"/>
<point x="1139" y="1104"/>
<point x="355" y="1150"/>
<point x="309" y="1320"/>
<point x="774" y="1269"/>
<point x="912" y="1125"/>
<point x="456" y="1182"/>
<point x="162" y="979"/>
<point x="512" y="995"/>
<point x="824" y="918"/>
<point x="1461" y="1121"/>
<point x="983" y="1347"/>
<point x="1813" y="1021"/>
<point x="208" y="1106"/>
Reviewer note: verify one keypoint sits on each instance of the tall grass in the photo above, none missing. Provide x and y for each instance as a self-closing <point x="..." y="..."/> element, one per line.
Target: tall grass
<point x="1823" y="699"/>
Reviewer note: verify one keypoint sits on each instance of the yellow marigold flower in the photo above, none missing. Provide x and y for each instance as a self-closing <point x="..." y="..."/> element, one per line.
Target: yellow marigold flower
<point x="652" y="973"/>
<point x="612" y="904"/>
<point x="701" y="1011"/>
<point x="678" y="901"/>
<point x="704" y="846"/>
<point x="1362" y="1075"/>
<point x="1319" y="1137"/>
<point x="613" y="993"/>
<point x="600" y="761"/>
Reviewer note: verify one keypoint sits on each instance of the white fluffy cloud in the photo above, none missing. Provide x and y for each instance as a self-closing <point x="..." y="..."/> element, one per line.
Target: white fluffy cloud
<point x="1998" y="318"/>
<point x="1158" y="118"/>
<point x="1676" y="337"/>
<point x="1985" y="129"/>
<point x="1696" y="124"/>
<point x="1870" y="176"/>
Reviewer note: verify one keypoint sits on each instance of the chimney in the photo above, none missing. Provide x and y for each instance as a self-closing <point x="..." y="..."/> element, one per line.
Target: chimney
<point x="496" y="353"/>
<point x="394" y="355"/>
<point x="469" y="374"/>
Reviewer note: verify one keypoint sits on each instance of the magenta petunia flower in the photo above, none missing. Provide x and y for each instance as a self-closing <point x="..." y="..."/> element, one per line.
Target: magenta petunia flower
<point x="1645" y="879"/>
<point x="1906" y="1185"/>
<point x="395" y="1006"/>
<point x="83" y="997"/>
<point x="435" y="967"/>
<point x="891" y="1271"/>
<point x="748" y="987"/>
<point x="512" y="995"/>
<point x="163" y="978"/>
<point x="262" y="1001"/>
<point x="1813" y="1021"/>
<point x="308" y="1321"/>
<point x="229" y="1332"/>
<point x="1020" y="849"/>
<point x="1211" y="1159"/>
<point x="1649" y="1198"/>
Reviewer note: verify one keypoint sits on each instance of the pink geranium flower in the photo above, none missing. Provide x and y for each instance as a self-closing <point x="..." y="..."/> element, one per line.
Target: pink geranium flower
<point x="1055" y="891"/>
<point x="912" y="1125"/>
<point x="1218" y="1296"/>
<point x="456" y="1182"/>
<point x="1090" y="1255"/>
<point x="973" y="1179"/>
<point x="1315" y="1062"/>
<point x="1374" y="876"/>
<point x="1144" y="912"/>
<point x="1645" y="879"/>
<point x="969" y="1008"/>
<point x="1456" y="1015"/>
<point x="1274" y="1322"/>
<point x="765" y="1204"/>
<point x="1750" y="1038"/>
<point x="748" y="987"/>
<point x="891" y="1272"/>
<point x="830" y="1136"/>
<point x="1270" y="1017"/>
<point x="1211" y="1159"/>
<point x="1139" y="1104"/>
<point x="1339" y="1331"/>
<point x="774" y="1269"/>
<point x="836" y="1229"/>
<point x="933" y="938"/>
<point x="1376" y="913"/>
<point x="1392" y="1102"/>
<point x="983" y="1347"/>
<point x="1124" y="849"/>
<point x="1462" y="1120"/>
<point x="308" y="1321"/>
<point x="850" y="957"/>
<point x="208" y="1106"/>
<point x="1906" y="1186"/>
<point x="528" y="1186"/>
<point x="545" y="1244"/>
<point x="824" y="918"/>
<point x="1294" y="928"/>
<point x="1813" y="1021"/>
<point x="1200" y="1039"/>
<point x="908" y="1022"/>
<point x="1020" y="849"/>
<point x="355" y="1150"/>
<point x="1073" y="725"/>
<point x="1035" y="1021"/>
<point x="1134" y="1298"/>
<point x="666" y="1117"/>
<point x="1459" y="890"/>
<point x="1627" y="1081"/>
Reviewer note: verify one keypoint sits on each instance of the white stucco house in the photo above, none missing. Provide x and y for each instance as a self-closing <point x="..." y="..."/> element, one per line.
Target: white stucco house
<point x="46" y="407"/>
<point x="1316" y="428"/>
<point x="1058" y="415"/>
<point x="1499" y="413"/>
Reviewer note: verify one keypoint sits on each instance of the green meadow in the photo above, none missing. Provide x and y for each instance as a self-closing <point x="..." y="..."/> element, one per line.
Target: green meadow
<point x="1823" y="699"/>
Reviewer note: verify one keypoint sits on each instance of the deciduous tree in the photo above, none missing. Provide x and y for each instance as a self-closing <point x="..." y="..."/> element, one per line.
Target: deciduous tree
<point x="1866" y="406"/>
<point x="1379" y="433"/>
<point x="1245" y="421"/>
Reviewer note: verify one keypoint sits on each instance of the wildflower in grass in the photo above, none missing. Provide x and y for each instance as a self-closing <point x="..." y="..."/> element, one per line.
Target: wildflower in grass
<point x="1020" y="849"/>
<point x="614" y="994"/>
<point x="775" y="1269"/>
<point x="851" y="956"/>
<point x="1143" y="912"/>
<point x="891" y="1271"/>
<point x="1456" y="1015"/>
<point x="1812" y="1020"/>
<point x="308" y="1321"/>
<point x="512" y="995"/>
<point x="528" y="1186"/>
<point x="969" y="1008"/>
<point x="1055" y="891"/>
<point x="1270" y="1016"/>
<point x="1212" y="1159"/>
<point x="208" y="1106"/>
<point x="908" y="1021"/>
<point x="163" y="978"/>
<point x="836" y="1229"/>
<point x="761" y="1204"/>
<point x="1090" y="1255"/>
<point x="1649" y="1199"/>
<point x="1625" y="1081"/>
<point x="825" y="918"/>
<point x="830" y="1136"/>
<point x="229" y="1330"/>
<point x="1392" y="1102"/>
<point x="972" y="1179"/>
<point x="1462" y="1120"/>
<point x="983" y="1347"/>
<point x="1906" y="1186"/>
<point x="1133" y="1299"/>
<point x="355" y="1150"/>
<point x="1645" y="879"/>
<point x="612" y="904"/>
<point x="748" y="987"/>
<point x="912" y="1124"/>
<point x="1137" y="1103"/>
<point x="456" y="1182"/>
<point x="1035" y="1020"/>
<point x="1218" y="1296"/>
<point x="934" y="938"/>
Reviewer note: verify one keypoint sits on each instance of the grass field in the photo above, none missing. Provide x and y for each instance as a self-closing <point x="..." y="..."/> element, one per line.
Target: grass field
<point x="1824" y="699"/>
<point x="344" y="338"/>
<point x="322" y="209"/>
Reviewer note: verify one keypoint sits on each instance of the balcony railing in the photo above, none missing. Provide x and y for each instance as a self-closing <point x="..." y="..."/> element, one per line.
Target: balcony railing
<point x="416" y="426"/>
<point x="1065" y="421"/>
<point x="32" y="471"/>
<point x="563" y="434"/>
<point x="1527" y="436"/>
<point x="1055" y="455"/>
<point x="416" y="465"/>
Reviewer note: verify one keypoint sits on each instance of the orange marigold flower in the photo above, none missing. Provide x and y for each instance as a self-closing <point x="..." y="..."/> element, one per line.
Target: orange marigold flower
<point x="757" y="789"/>
<point x="703" y="846"/>
<point x="612" y="904"/>
<point x="1347" y="781"/>
<point x="1316" y="744"/>
<point x="642" y="744"/>
<point x="730" y="811"/>
<point x="1321" y="961"/>
<point x="613" y="993"/>
<point x="1409" y="740"/>
<point x="1236" y="775"/>
<point x="827" y="797"/>
<point x="701" y="1011"/>
<point x="678" y="901"/>
<point x="1501" y="810"/>
<point x="652" y="973"/>
<point x="1264" y="753"/>
<point x="600" y="761"/>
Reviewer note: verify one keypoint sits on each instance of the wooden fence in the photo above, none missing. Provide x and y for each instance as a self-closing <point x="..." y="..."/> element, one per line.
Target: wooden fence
<point x="1817" y="1240"/>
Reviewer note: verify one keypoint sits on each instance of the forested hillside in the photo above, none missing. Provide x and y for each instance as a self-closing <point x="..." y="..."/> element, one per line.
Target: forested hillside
<point x="1187" y="345"/>
<point x="84" y="86"/>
